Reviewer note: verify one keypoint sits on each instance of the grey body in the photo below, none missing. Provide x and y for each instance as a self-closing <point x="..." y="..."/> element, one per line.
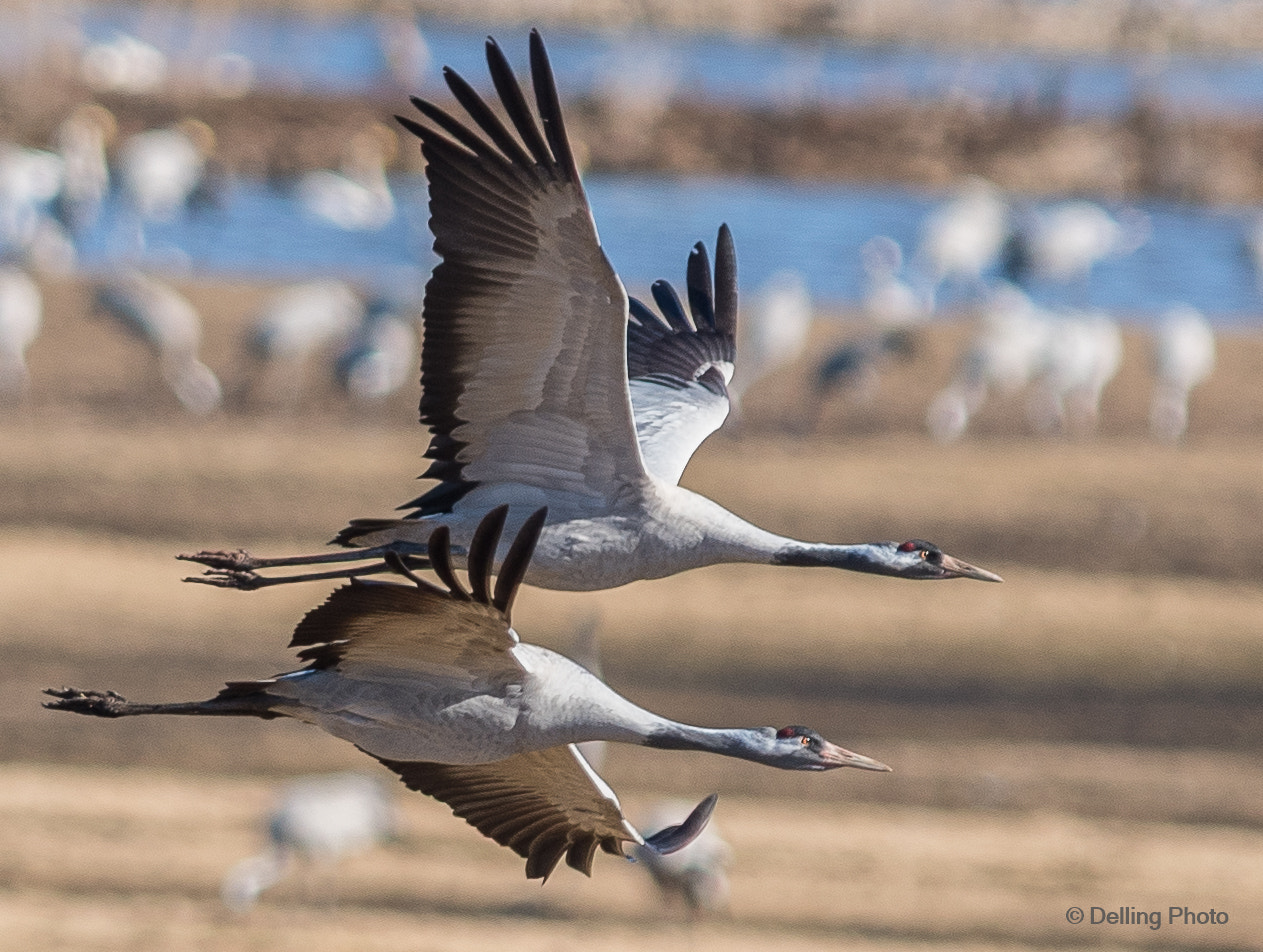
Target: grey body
<point x="459" y="719"/>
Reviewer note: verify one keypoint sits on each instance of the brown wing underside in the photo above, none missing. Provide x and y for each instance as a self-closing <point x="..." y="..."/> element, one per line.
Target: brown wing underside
<point x="543" y="805"/>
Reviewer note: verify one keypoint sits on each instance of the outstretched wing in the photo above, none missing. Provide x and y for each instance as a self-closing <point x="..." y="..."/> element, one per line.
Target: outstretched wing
<point x="679" y="363"/>
<point x="543" y="805"/>
<point x="523" y="368"/>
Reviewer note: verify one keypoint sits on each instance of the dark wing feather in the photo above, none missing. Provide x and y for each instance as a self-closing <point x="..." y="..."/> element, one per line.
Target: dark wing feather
<point x="523" y="367"/>
<point x="380" y="629"/>
<point x="387" y="629"/>
<point x="679" y="365"/>
<point x="543" y="805"/>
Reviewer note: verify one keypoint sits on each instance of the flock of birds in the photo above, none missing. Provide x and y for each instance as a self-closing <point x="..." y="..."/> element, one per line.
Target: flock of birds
<point x="1062" y="357"/>
<point x="561" y="415"/>
<point x="49" y="199"/>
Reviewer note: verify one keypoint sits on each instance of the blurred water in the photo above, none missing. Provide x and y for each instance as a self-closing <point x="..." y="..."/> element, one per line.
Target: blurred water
<point x="647" y="224"/>
<point x="324" y="52"/>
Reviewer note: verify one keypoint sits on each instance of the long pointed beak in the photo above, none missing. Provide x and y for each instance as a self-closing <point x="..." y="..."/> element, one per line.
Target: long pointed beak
<point x="835" y="756"/>
<point x="955" y="568"/>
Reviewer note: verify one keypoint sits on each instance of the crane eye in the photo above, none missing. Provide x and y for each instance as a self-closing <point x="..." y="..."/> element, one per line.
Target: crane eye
<point x="925" y="554"/>
<point x="805" y="741"/>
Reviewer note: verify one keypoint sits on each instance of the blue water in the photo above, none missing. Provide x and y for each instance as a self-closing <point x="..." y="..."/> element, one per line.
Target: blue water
<point x="344" y="53"/>
<point x="647" y="225"/>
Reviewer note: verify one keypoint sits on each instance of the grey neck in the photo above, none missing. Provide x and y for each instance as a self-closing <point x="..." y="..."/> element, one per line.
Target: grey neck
<point x="861" y="557"/>
<point x="746" y="743"/>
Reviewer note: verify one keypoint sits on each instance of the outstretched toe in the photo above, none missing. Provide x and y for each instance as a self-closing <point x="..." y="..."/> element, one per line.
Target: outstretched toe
<point x="237" y="561"/>
<point x="243" y="579"/>
<point x="97" y="703"/>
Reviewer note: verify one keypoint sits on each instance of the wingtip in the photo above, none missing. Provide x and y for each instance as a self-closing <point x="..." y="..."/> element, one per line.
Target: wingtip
<point x="675" y="838"/>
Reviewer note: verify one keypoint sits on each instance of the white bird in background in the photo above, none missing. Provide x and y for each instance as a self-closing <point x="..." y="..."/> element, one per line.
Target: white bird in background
<point x="1063" y="243"/>
<point x="697" y="874"/>
<point x="29" y="182"/>
<point x="1003" y="357"/>
<point x="402" y="43"/>
<point x="435" y="683"/>
<point x="888" y="301"/>
<point x="357" y="198"/>
<point x="293" y="325"/>
<point x="170" y="327"/>
<point x="381" y="356"/>
<point x="124" y="64"/>
<point x="21" y="311"/>
<point x="318" y="819"/>
<point x="82" y="138"/>
<point x="1084" y="351"/>
<point x="773" y="331"/>
<point x="1183" y="356"/>
<point x="961" y="239"/>
<point x="539" y="388"/>
<point x="160" y="169"/>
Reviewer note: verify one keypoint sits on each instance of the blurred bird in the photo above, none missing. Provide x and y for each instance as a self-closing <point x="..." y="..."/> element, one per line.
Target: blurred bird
<point x="961" y="239"/>
<point x="158" y="315"/>
<point x="29" y="182"/>
<point x="1183" y="356"/>
<point x="123" y="64"/>
<point x="697" y="874"/>
<point x="381" y="356"/>
<point x="357" y="198"/>
<point x="888" y="301"/>
<point x="82" y="138"/>
<point x="1005" y="354"/>
<point x="318" y="819"/>
<point x="294" y="324"/>
<point x="402" y="43"/>
<point x="21" y="310"/>
<point x="159" y="170"/>
<point x="773" y="330"/>
<point x="435" y="683"/>
<point x="855" y="367"/>
<point x="1063" y="243"/>
<point x="1083" y="354"/>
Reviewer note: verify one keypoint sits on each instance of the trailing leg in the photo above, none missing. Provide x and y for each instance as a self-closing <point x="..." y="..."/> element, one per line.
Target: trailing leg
<point x="233" y="701"/>
<point x="243" y="561"/>
<point x="248" y="580"/>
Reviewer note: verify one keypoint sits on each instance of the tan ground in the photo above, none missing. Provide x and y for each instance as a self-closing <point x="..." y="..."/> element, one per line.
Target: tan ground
<point x="1086" y="734"/>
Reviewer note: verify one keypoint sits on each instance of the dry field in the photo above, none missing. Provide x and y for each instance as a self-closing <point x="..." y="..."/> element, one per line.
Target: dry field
<point x="1087" y="734"/>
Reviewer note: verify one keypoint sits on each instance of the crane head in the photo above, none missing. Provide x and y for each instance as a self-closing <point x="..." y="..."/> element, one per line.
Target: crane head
<point x="919" y="559"/>
<point x="800" y="748"/>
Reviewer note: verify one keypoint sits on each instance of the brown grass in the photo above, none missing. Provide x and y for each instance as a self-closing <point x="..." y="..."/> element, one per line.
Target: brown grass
<point x="1085" y="734"/>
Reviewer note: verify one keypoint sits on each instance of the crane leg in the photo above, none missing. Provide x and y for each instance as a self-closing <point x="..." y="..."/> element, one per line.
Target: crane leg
<point x="112" y="704"/>
<point x="243" y="561"/>
<point x="248" y="580"/>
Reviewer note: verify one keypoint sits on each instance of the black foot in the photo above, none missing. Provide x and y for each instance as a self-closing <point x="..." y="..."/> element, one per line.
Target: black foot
<point x="242" y="579"/>
<point x="238" y="561"/>
<point x="96" y="703"/>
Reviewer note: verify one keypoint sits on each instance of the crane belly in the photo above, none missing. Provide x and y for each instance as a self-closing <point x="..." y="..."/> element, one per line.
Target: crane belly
<point x="398" y="722"/>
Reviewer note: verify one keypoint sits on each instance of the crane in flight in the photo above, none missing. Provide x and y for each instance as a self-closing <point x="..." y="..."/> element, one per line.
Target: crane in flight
<point x="543" y="385"/>
<point x="435" y="683"/>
